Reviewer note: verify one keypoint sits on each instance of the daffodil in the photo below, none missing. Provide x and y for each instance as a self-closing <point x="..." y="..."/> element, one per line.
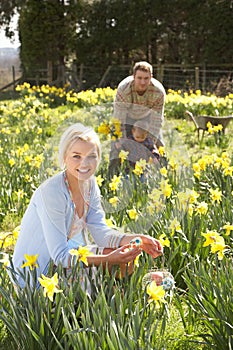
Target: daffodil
<point x="123" y="155"/>
<point x="82" y="253"/>
<point x="99" y="180"/>
<point x="193" y="196"/>
<point x="50" y="285"/>
<point x="175" y="226"/>
<point x="140" y="167"/>
<point x="156" y="293"/>
<point x="161" y="151"/>
<point x="166" y="188"/>
<point x="113" y="200"/>
<point x="219" y="247"/>
<point x="133" y="214"/>
<point x="114" y="184"/>
<point x="104" y="129"/>
<point x="110" y="222"/>
<point x="30" y="261"/>
<point x="211" y="237"/>
<point x="163" y="239"/>
<point x="216" y="195"/>
<point x="163" y="171"/>
<point x="228" y="228"/>
<point x="201" y="208"/>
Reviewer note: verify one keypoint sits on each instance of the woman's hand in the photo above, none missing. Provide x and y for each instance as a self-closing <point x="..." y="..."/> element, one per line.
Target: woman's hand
<point x="151" y="246"/>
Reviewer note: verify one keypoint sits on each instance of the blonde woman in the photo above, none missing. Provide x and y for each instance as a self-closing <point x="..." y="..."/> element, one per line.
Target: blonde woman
<point x="65" y="213"/>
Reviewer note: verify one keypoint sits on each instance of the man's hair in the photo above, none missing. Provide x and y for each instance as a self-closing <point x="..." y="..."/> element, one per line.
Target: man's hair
<point x="144" y="66"/>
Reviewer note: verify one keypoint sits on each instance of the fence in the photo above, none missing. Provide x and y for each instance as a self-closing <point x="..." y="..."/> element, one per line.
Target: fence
<point x="205" y="77"/>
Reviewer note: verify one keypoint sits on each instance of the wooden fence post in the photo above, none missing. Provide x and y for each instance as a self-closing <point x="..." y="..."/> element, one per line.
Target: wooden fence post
<point x="13" y="77"/>
<point x="104" y="76"/>
<point x="204" y="77"/>
<point x="50" y="72"/>
<point x="196" y="78"/>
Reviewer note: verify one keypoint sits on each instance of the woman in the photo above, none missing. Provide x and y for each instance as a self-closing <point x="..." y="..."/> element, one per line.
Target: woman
<point x="65" y="212"/>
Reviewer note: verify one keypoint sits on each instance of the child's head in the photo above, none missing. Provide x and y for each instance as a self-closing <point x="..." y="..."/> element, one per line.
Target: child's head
<point x="74" y="133"/>
<point x="139" y="131"/>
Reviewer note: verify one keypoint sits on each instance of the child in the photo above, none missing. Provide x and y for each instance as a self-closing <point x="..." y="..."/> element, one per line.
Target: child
<point x="139" y="145"/>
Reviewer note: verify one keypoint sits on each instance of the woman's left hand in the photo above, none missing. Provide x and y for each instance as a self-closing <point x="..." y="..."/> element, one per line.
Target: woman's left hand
<point x="151" y="246"/>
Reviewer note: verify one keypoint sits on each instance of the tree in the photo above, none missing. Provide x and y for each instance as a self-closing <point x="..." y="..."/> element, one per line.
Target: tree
<point x="46" y="30"/>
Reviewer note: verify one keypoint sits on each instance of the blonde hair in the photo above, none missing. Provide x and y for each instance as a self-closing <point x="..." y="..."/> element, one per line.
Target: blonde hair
<point x="74" y="133"/>
<point x="144" y="66"/>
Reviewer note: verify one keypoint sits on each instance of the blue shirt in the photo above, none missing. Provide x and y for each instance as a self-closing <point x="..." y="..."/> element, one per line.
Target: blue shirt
<point x="47" y="222"/>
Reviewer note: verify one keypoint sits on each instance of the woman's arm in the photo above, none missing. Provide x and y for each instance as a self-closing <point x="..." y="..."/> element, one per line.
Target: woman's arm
<point x="112" y="257"/>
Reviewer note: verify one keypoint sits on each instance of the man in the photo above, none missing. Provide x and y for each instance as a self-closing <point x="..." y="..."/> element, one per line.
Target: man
<point x="140" y="96"/>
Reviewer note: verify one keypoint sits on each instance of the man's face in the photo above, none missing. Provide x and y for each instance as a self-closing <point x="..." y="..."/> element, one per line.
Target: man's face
<point x="141" y="81"/>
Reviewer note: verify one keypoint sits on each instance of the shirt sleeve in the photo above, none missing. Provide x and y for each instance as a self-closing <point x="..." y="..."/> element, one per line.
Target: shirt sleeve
<point x="122" y="103"/>
<point x="53" y="216"/>
<point x="102" y="234"/>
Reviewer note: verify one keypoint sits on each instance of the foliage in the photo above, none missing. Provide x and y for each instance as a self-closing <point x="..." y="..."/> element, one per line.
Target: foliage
<point x="210" y="295"/>
<point x="185" y="203"/>
<point x="103" y="33"/>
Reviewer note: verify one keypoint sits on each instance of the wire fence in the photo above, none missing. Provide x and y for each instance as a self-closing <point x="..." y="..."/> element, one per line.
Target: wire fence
<point x="207" y="78"/>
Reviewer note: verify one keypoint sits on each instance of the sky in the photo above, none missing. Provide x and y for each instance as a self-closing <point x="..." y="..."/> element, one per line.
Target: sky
<point x="5" y="42"/>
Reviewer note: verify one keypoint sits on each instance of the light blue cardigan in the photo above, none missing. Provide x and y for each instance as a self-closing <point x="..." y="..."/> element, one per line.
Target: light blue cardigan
<point x="47" y="222"/>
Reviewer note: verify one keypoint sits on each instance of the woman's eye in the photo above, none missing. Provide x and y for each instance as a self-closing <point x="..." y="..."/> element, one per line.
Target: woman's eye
<point x="93" y="156"/>
<point x="77" y="156"/>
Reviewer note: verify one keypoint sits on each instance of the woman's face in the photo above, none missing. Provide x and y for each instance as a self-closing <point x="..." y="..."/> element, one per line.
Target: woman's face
<point x="81" y="160"/>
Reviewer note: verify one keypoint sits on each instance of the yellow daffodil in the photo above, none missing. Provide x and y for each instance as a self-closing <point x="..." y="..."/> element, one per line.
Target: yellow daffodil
<point x="114" y="184"/>
<point x="173" y="165"/>
<point x="219" y="247"/>
<point x="211" y="237"/>
<point x="133" y="214"/>
<point x="201" y="208"/>
<point x="228" y="229"/>
<point x="11" y="162"/>
<point x="156" y="293"/>
<point x="216" y="195"/>
<point x="113" y="200"/>
<point x="161" y="151"/>
<point x="30" y="261"/>
<point x="140" y="167"/>
<point x="193" y="196"/>
<point x="99" y="180"/>
<point x="104" y="129"/>
<point x="110" y="222"/>
<point x="175" y="226"/>
<point x="166" y="188"/>
<point x="123" y="155"/>
<point x="228" y="171"/>
<point x="82" y="253"/>
<point x="163" y="172"/>
<point x="163" y="239"/>
<point x="50" y="285"/>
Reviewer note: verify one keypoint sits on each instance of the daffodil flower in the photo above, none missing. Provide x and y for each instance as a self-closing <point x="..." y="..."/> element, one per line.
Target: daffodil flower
<point x="82" y="253"/>
<point x="30" y="261"/>
<point x="50" y="285"/>
<point x="228" y="228"/>
<point x="156" y="293"/>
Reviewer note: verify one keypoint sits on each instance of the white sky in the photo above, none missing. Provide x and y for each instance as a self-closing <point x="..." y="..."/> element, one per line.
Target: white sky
<point x="5" y="42"/>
